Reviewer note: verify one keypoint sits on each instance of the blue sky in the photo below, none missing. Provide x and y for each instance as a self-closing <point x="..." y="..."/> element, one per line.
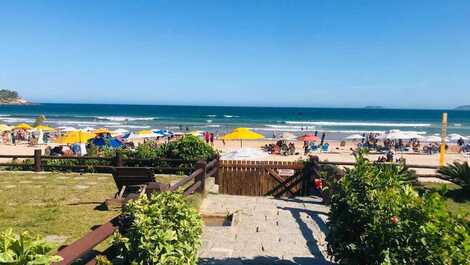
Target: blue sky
<point x="263" y="53"/>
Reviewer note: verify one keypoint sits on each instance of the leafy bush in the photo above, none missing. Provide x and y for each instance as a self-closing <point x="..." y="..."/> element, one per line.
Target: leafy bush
<point x="24" y="249"/>
<point x="160" y="229"/>
<point x="377" y="218"/>
<point x="458" y="173"/>
<point x="188" y="148"/>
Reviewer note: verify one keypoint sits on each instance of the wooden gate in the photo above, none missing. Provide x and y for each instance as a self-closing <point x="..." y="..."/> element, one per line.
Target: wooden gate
<point x="262" y="178"/>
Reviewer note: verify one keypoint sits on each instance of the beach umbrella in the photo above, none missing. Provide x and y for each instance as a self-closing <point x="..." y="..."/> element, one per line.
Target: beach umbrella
<point x="242" y="134"/>
<point x="433" y="138"/>
<point x="101" y="130"/>
<point x="354" y="137"/>
<point x="399" y="135"/>
<point x="44" y="128"/>
<point x="456" y="137"/>
<point x="73" y="137"/>
<point x="162" y="132"/>
<point x="308" y="138"/>
<point x="23" y="126"/>
<point x="195" y="133"/>
<point x="119" y="132"/>
<point x="4" y="127"/>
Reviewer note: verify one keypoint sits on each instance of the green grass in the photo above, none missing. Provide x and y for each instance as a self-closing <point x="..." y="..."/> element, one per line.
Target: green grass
<point x="63" y="204"/>
<point x="457" y="201"/>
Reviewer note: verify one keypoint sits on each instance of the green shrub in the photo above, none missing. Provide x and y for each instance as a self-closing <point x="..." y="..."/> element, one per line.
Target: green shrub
<point x="188" y="148"/>
<point x="376" y="217"/>
<point x="458" y="173"/>
<point x="160" y="229"/>
<point x="24" y="249"/>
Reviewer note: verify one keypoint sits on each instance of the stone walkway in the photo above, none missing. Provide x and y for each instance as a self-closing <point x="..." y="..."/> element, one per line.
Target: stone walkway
<point x="267" y="231"/>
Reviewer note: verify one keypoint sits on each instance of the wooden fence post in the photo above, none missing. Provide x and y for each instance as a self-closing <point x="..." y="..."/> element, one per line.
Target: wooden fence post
<point x="37" y="160"/>
<point x="118" y="160"/>
<point x="216" y="177"/>
<point x="202" y="176"/>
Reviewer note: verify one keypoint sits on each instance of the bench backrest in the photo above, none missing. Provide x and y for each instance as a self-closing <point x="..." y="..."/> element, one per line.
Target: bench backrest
<point x="132" y="176"/>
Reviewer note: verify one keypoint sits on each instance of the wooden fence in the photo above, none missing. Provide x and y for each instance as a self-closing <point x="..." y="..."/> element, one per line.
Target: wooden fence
<point x="39" y="162"/>
<point x="194" y="183"/>
<point x="260" y="178"/>
<point x="277" y="178"/>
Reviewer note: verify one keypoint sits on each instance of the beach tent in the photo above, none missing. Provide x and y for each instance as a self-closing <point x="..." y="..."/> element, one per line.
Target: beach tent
<point x="109" y="142"/>
<point x="74" y="137"/>
<point x="354" y="137"/>
<point x="242" y="134"/>
<point x="308" y="138"/>
<point x="44" y="128"/>
<point x="4" y="127"/>
<point x="23" y="126"/>
<point x="244" y="154"/>
<point x="101" y="130"/>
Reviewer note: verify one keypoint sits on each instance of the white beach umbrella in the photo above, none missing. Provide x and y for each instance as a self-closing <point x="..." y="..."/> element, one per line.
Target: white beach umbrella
<point x="433" y="138"/>
<point x="456" y="137"/>
<point x="354" y="137"/>
<point x="244" y="154"/>
<point x="119" y="132"/>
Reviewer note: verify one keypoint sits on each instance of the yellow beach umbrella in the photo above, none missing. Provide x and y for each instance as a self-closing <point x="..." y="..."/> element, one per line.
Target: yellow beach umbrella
<point x="75" y="137"/>
<point x="4" y="128"/>
<point x="23" y="126"/>
<point x="195" y="133"/>
<point x="242" y="134"/>
<point x="101" y="130"/>
<point x="144" y="132"/>
<point x="44" y="128"/>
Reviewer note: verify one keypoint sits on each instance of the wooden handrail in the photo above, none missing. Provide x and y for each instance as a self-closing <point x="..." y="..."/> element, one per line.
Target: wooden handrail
<point x="88" y="242"/>
<point x="186" y="180"/>
<point x="191" y="189"/>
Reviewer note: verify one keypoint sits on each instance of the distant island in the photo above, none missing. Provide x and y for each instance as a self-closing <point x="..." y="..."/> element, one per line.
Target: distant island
<point x="464" y="107"/>
<point x="10" y="97"/>
<point x="374" y="107"/>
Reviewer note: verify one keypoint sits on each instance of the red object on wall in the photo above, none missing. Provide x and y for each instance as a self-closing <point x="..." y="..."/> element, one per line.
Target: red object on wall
<point x="318" y="184"/>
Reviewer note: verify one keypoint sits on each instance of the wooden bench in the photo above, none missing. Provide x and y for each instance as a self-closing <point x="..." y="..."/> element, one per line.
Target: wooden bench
<point x="132" y="180"/>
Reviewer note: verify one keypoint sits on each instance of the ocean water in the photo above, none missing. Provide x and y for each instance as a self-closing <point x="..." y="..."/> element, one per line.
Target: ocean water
<point x="267" y="120"/>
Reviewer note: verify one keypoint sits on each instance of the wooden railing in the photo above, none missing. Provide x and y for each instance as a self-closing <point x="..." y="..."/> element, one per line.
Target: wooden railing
<point x="193" y="183"/>
<point x="37" y="163"/>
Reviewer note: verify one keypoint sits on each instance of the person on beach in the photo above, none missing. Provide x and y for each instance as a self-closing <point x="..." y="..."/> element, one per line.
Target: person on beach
<point x="211" y="138"/>
<point x="13" y="138"/>
<point x="206" y="137"/>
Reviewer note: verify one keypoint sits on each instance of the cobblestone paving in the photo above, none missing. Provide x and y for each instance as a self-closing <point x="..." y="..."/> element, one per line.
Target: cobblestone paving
<point x="267" y="231"/>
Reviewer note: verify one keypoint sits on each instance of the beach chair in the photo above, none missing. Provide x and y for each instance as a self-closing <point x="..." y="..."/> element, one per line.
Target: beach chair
<point x="132" y="180"/>
<point x="324" y="148"/>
